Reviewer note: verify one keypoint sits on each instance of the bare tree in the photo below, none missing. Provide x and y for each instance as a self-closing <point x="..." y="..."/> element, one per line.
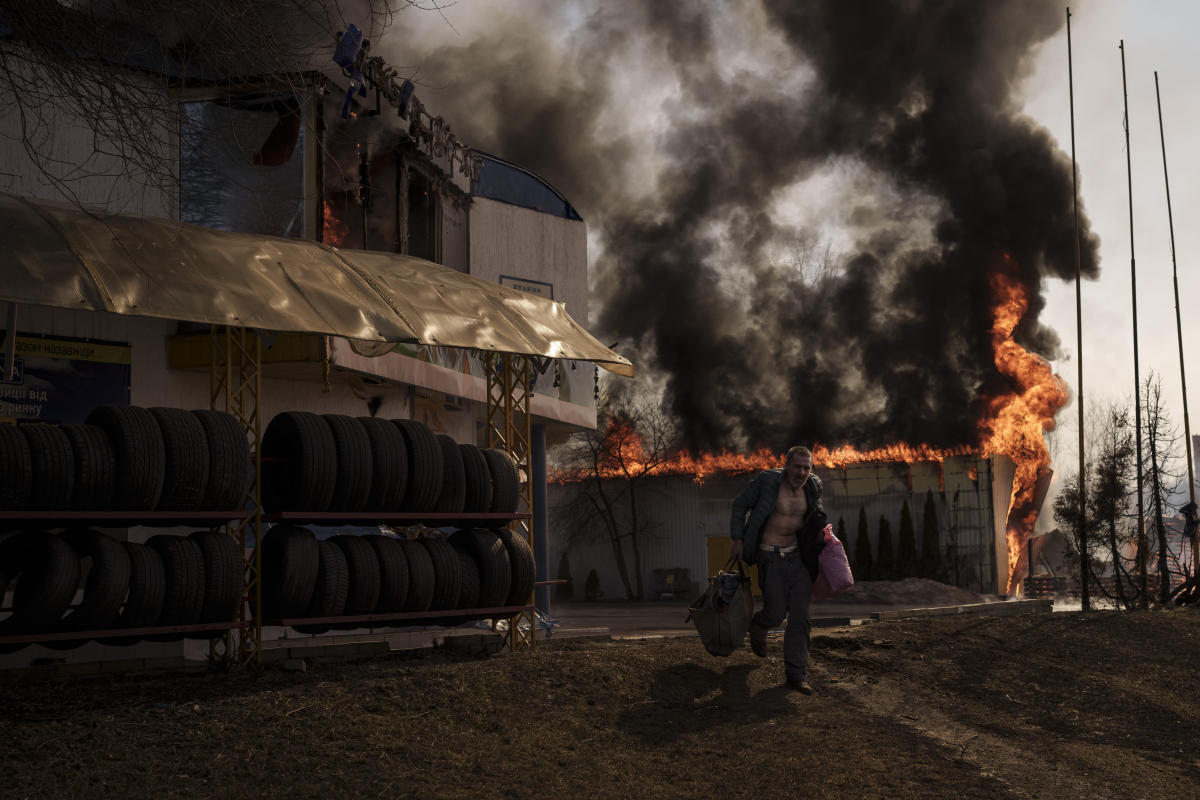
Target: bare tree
<point x="1164" y="480"/>
<point x="607" y="468"/>
<point x="110" y="66"/>
<point x="1110" y="474"/>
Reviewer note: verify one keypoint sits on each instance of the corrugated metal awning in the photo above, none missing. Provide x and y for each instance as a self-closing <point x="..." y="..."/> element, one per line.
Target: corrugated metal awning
<point x="61" y="256"/>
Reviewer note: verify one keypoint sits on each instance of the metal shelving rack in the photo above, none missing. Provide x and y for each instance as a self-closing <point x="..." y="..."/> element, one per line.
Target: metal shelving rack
<point x="236" y="388"/>
<point x="51" y="520"/>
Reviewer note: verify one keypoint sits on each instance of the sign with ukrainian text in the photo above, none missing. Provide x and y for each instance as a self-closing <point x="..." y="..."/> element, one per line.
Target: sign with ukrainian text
<point x="540" y="288"/>
<point x="61" y="380"/>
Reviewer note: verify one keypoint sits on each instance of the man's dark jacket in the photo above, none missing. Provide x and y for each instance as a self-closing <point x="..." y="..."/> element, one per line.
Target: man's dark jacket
<point x="754" y="505"/>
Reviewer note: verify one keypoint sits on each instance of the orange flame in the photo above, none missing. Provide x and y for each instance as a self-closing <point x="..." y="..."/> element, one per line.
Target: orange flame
<point x="1012" y="425"/>
<point x="334" y="230"/>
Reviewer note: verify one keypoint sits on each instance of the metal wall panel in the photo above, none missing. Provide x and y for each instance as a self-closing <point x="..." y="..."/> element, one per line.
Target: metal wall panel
<point x="683" y="514"/>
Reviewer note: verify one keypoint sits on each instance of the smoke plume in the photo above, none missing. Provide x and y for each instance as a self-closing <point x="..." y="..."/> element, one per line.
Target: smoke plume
<point x="710" y="145"/>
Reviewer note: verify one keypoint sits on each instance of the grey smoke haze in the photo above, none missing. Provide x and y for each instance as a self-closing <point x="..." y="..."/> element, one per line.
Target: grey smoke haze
<point x="755" y="348"/>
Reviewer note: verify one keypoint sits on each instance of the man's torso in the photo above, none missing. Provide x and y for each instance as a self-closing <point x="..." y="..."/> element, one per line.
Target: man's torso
<point x="787" y="517"/>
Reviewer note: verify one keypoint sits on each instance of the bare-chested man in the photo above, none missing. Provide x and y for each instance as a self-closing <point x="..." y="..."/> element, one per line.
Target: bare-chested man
<point x="777" y="522"/>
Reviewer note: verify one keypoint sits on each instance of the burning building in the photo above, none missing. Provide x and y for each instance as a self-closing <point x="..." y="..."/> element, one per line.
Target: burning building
<point x="683" y="512"/>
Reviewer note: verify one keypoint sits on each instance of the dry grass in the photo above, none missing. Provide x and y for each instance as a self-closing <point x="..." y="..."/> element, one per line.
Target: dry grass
<point x="1064" y="705"/>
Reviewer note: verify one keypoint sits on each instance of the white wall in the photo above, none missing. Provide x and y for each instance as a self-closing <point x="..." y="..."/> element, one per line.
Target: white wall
<point x="521" y="243"/>
<point x="74" y="160"/>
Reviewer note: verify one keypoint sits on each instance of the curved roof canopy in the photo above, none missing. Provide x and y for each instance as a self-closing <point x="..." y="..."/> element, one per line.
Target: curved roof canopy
<point x="62" y="256"/>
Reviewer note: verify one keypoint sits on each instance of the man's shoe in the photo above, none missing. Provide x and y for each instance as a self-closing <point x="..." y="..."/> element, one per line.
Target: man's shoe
<point x="758" y="641"/>
<point x="801" y="686"/>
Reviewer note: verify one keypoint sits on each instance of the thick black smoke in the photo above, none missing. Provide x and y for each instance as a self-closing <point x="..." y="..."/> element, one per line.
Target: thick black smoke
<point x="891" y="342"/>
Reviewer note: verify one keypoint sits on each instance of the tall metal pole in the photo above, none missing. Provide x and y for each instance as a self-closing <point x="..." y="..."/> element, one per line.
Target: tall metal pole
<point x="1137" y="379"/>
<point x="1084" y="597"/>
<point x="1187" y="429"/>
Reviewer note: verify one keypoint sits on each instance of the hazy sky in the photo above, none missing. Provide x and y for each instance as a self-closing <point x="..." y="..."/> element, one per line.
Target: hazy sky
<point x="1158" y="36"/>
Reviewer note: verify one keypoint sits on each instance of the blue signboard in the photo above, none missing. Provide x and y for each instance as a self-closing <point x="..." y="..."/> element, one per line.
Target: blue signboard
<point x="62" y="380"/>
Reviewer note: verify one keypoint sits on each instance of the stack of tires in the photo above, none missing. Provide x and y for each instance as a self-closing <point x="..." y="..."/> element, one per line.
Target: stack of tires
<point x="348" y="575"/>
<point x="336" y="463"/>
<point x="126" y="458"/>
<point x="168" y="581"/>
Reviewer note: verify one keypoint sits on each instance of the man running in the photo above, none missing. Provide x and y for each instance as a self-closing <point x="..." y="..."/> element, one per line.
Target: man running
<point x="777" y="522"/>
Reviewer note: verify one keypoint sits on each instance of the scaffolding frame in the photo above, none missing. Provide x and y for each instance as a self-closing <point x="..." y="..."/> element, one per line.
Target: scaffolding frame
<point x="235" y="387"/>
<point x="509" y="389"/>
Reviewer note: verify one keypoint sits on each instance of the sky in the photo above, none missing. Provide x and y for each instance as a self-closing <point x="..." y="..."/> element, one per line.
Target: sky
<point x="1158" y="36"/>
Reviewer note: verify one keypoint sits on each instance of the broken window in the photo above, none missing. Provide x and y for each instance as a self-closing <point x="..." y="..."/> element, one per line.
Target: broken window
<point x="241" y="165"/>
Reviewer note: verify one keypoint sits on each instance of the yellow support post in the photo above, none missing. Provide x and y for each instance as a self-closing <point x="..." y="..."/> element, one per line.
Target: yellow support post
<point x="510" y="387"/>
<point x="235" y="387"/>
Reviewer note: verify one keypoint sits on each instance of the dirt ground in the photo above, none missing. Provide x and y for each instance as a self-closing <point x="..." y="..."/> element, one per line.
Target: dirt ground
<point x="1058" y="705"/>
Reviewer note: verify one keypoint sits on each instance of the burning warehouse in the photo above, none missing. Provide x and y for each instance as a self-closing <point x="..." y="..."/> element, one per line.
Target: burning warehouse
<point x="955" y="510"/>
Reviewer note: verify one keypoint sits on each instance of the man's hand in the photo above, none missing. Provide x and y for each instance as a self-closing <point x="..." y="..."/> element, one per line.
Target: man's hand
<point x="735" y="552"/>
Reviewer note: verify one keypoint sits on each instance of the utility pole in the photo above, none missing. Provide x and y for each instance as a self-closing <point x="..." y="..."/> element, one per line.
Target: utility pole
<point x="1187" y="429"/>
<point x="1137" y="380"/>
<point x="1084" y="560"/>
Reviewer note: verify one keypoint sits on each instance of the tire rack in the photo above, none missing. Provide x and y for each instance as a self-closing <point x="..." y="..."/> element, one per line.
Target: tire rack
<point x="50" y="520"/>
<point x="509" y="388"/>
<point x="236" y="387"/>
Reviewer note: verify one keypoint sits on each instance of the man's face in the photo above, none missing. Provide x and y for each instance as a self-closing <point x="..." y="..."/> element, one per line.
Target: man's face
<point x="798" y="468"/>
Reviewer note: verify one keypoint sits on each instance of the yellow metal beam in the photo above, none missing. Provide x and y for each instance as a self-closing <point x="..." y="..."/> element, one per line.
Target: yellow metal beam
<point x="235" y="387"/>
<point x="510" y="387"/>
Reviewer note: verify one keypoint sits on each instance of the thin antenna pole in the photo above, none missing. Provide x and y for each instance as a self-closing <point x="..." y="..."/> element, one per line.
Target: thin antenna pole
<point x="1187" y="428"/>
<point x="1137" y="379"/>
<point x="1083" y="544"/>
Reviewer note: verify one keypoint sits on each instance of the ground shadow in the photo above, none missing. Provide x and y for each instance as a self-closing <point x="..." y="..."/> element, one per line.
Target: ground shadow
<point x="688" y="698"/>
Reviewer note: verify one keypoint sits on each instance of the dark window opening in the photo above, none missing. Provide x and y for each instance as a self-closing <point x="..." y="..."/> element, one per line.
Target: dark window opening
<point x="422" y="217"/>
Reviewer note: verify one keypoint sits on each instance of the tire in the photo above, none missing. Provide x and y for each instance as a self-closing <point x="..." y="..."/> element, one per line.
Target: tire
<point x="506" y="487"/>
<point x="185" y="453"/>
<point x="139" y="453"/>
<point x="16" y="469"/>
<point x="4" y="581"/>
<point x="352" y="449"/>
<point x="491" y="556"/>
<point x="104" y="589"/>
<point x="478" y="498"/>
<point x="47" y="573"/>
<point x="389" y="465"/>
<point x="290" y="562"/>
<point x="147" y="588"/>
<point x="332" y="587"/>
<point x="520" y="558"/>
<point x="183" y="570"/>
<point x="393" y="573"/>
<point x="363" y="594"/>
<point x="468" y="596"/>
<point x="447" y="574"/>
<point x="95" y="467"/>
<point x="299" y="464"/>
<point x="230" y="468"/>
<point x="53" y="467"/>
<point x="223" y="579"/>
<point x="454" y="483"/>
<point x="424" y="466"/>
<point x="420" y="576"/>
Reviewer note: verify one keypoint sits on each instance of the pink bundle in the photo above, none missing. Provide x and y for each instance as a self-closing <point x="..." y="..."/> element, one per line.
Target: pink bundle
<point x="834" y="575"/>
